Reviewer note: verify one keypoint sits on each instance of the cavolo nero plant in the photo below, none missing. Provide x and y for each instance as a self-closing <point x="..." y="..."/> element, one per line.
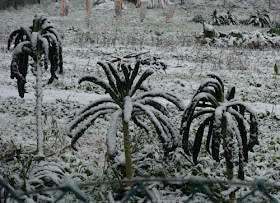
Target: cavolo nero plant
<point x="227" y="19"/>
<point x="216" y="19"/>
<point x="259" y="20"/>
<point x="230" y="19"/>
<point x="227" y="119"/>
<point x="41" y="43"/>
<point x="128" y="100"/>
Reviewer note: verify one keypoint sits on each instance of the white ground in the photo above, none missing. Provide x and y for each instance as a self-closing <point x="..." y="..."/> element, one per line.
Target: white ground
<point x="101" y="38"/>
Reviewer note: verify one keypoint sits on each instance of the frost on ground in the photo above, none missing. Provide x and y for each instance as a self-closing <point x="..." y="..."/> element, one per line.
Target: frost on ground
<point x="103" y="38"/>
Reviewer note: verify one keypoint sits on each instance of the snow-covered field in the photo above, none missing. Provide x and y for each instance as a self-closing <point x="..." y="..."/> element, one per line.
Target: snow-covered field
<point x="101" y="38"/>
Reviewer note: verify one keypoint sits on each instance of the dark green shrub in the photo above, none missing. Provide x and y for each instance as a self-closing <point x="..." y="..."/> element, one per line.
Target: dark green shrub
<point x="259" y="20"/>
<point x="209" y="31"/>
<point x="40" y="39"/>
<point x="42" y="43"/>
<point x="198" y="19"/>
<point x="274" y="31"/>
<point x="226" y="118"/>
<point x="230" y="19"/>
<point x="227" y="19"/>
<point x="216" y="19"/>
<point x="129" y="99"/>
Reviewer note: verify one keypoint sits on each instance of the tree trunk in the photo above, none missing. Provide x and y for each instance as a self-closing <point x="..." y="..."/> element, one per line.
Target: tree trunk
<point x="15" y="4"/>
<point x="39" y="110"/>
<point x="39" y="1"/>
<point x="229" y="170"/>
<point x="127" y="151"/>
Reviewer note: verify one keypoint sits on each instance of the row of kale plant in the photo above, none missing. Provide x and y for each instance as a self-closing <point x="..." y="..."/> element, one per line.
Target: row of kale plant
<point x="230" y="121"/>
<point x="258" y="19"/>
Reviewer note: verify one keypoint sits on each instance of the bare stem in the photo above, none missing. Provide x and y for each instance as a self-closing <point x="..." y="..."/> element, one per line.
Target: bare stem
<point x="127" y="150"/>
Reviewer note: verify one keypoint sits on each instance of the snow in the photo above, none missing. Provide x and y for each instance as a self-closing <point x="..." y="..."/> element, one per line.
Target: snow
<point x="45" y="45"/>
<point x="111" y="135"/>
<point x="85" y="125"/>
<point x="254" y="39"/>
<point x="33" y="42"/>
<point x="128" y="106"/>
<point x="166" y="138"/>
<point x="27" y="31"/>
<point x="81" y="117"/>
<point x="250" y="70"/>
<point x="157" y="93"/>
<point x="39" y="96"/>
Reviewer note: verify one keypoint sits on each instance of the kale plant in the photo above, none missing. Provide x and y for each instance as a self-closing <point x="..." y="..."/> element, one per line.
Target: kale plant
<point x="230" y="19"/>
<point x="198" y="19"/>
<point x="216" y="19"/>
<point x="259" y="20"/>
<point x="40" y="42"/>
<point x="123" y="102"/>
<point x="227" y="19"/>
<point x="227" y="122"/>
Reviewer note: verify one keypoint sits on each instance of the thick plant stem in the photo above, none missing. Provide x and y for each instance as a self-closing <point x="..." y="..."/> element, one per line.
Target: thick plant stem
<point x="229" y="170"/>
<point x="230" y="177"/>
<point x="15" y="4"/>
<point x="128" y="164"/>
<point x="39" y="110"/>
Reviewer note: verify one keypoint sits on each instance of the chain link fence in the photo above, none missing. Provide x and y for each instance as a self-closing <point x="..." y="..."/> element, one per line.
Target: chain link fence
<point x="8" y="193"/>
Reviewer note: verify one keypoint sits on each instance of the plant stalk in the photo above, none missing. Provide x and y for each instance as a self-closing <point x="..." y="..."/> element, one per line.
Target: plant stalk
<point x="127" y="151"/>
<point x="39" y="110"/>
<point x="229" y="170"/>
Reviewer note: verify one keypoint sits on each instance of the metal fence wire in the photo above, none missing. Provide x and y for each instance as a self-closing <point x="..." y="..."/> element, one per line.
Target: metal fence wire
<point x="138" y="186"/>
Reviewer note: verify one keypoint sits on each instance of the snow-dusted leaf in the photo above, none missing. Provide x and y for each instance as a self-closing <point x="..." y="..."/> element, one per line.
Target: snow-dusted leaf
<point x="242" y="130"/>
<point x="111" y="134"/>
<point x="134" y="73"/>
<point x="217" y="77"/>
<point x="155" y="104"/>
<point x="45" y="46"/>
<point x="140" y="124"/>
<point x="253" y="140"/>
<point x="119" y="82"/>
<point x="217" y="132"/>
<point x="81" y="117"/>
<point x="86" y="125"/>
<point x="211" y="82"/>
<point x="230" y="93"/>
<point x="95" y="103"/>
<point x="157" y="93"/>
<point x="160" y="131"/>
<point x="109" y="75"/>
<point x="138" y="82"/>
<point x="198" y="138"/>
<point x="34" y="44"/>
<point x="209" y="135"/>
<point x="127" y="109"/>
<point x="105" y="85"/>
<point x="126" y="73"/>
